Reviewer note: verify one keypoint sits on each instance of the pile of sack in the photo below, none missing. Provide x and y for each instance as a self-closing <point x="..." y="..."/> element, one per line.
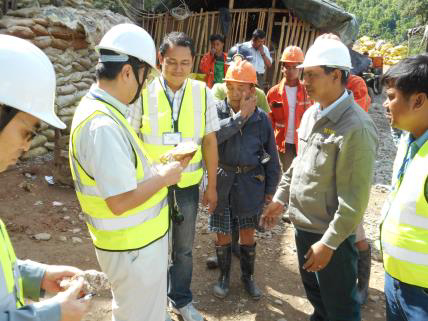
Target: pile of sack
<point x="391" y="54"/>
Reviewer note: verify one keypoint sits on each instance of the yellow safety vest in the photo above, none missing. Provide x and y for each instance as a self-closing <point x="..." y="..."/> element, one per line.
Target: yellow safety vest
<point x="157" y="120"/>
<point x="136" y="228"/>
<point x="11" y="291"/>
<point x="404" y="229"/>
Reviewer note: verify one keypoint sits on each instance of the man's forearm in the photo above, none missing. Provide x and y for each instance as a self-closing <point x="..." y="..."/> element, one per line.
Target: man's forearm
<point x="121" y="203"/>
<point x="210" y="154"/>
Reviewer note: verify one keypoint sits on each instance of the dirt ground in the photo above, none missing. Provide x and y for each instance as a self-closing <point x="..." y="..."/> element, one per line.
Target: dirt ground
<point x="26" y="205"/>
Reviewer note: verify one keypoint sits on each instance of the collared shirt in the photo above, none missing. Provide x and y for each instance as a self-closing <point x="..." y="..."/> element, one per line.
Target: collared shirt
<point x="104" y="151"/>
<point x="413" y="146"/>
<point x="325" y="111"/>
<point x="257" y="61"/>
<point x="212" y="123"/>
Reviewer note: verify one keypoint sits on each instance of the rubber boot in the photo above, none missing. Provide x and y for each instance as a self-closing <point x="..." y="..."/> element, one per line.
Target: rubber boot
<point x="235" y="243"/>
<point x="212" y="262"/>
<point x="364" y="267"/>
<point x="224" y="258"/>
<point x="248" y="256"/>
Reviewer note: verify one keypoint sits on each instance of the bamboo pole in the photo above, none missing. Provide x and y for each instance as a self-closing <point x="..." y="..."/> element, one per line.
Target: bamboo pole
<point x="198" y="29"/>
<point x="293" y="31"/>
<point x="305" y="42"/>
<point x="212" y="24"/>
<point x="297" y="37"/>
<point x="279" y="51"/>
<point x="287" y="37"/>
<point x="245" y="27"/>
<point x="270" y="27"/>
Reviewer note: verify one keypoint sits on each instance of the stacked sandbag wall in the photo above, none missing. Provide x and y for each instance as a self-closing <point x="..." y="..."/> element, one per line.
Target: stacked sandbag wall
<point x="71" y="51"/>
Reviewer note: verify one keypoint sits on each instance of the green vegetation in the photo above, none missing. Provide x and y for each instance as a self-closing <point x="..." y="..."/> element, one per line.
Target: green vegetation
<point x="387" y="19"/>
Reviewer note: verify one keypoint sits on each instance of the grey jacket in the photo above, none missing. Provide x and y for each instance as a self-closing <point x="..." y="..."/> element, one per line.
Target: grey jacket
<point x="32" y="274"/>
<point x="328" y="184"/>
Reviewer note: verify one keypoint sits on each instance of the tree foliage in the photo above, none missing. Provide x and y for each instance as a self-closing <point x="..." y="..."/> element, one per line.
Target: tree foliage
<point x="387" y="19"/>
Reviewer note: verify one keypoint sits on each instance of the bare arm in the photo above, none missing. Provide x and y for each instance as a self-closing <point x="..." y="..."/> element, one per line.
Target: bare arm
<point x="168" y="175"/>
<point x="210" y="154"/>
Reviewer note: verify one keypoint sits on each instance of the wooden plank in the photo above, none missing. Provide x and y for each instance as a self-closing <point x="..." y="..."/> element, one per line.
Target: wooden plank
<point x="269" y="28"/>
<point x="279" y="51"/>
<point x="196" y="39"/>
<point x="297" y="37"/>
<point x="212" y="23"/>
<point x="289" y="27"/>
<point x="293" y="31"/>
<point x="231" y="3"/>
<point x="306" y="41"/>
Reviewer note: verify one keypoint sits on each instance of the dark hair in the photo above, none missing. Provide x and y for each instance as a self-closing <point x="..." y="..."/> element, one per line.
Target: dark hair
<point x="218" y="37"/>
<point x="409" y="75"/>
<point x="176" y="39"/>
<point x="345" y="74"/>
<point x="109" y="70"/>
<point x="259" y="34"/>
<point x="6" y="115"/>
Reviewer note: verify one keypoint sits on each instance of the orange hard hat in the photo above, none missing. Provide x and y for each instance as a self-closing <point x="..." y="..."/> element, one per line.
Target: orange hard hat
<point x="292" y="54"/>
<point x="241" y="71"/>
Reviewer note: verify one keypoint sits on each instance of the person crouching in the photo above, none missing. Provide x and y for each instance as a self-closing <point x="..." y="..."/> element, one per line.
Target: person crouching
<point x="247" y="175"/>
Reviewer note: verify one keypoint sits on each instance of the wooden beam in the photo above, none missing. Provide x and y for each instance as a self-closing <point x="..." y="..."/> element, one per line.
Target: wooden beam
<point x="273" y="3"/>
<point x="231" y="3"/>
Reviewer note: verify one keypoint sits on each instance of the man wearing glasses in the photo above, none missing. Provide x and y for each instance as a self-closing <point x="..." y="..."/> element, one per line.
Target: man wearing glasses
<point x="175" y="109"/>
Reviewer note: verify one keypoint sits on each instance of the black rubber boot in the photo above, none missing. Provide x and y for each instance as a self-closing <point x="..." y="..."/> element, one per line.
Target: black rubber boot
<point x="364" y="267"/>
<point x="235" y="243"/>
<point x="224" y="258"/>
<point x="248" y="256"/>
<point x="212" y="262"/>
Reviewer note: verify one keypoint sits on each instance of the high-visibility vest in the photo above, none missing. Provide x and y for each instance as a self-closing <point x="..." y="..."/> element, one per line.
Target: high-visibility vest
<point x="157" y="120"/>
<point x="11" y="291"/>
<point x="136" y="228"/>
<point x="404" y="230"/>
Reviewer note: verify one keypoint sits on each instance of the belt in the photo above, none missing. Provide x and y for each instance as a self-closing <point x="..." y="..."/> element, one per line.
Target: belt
<point x="238" y="169"/>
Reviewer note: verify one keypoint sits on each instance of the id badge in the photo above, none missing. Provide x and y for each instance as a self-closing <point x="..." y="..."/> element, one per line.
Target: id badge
<point x="171" y="138"/>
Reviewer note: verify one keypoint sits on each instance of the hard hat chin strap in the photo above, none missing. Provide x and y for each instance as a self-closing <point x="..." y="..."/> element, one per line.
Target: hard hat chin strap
<point x="6" y="115"/>
<point x="140" y="85"/>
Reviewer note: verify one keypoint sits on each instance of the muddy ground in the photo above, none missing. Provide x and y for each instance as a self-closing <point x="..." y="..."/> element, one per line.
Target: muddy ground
<point x="26" y="205"/>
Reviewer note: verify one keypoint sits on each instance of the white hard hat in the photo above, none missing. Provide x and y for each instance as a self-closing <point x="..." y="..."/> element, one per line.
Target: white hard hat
<point x="327" y="52"/>
<point x="129" y="39"/>
<point x="27" y="79"/>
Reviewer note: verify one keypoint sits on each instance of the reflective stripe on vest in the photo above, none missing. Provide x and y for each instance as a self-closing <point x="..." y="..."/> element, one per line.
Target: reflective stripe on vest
<point x="11" y="291"/>
<point x="404" y="230"/>
<point x="157" y="120"/>
<point x="279" y="125"/>
<point x="136" y="228"/>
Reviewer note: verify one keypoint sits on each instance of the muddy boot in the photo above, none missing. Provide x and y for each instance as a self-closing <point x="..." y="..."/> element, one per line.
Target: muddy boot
<point x="212" y="262"/>
<point x="248" y="256"/>
<point x="364" y="266"/>
<point x="235" y="243"/>
<point x="224" y="258"/>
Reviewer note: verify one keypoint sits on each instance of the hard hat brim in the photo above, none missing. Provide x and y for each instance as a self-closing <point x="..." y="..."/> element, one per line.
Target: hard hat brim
<point x="303" y="65"/>
<point x="240" y="81"/>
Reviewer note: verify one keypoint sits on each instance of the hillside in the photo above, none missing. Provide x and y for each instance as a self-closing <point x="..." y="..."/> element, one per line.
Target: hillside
<point x="387" y="19"/>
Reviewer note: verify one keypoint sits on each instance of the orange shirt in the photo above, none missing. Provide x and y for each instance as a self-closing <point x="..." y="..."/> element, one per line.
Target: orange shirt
<point x="278" y="103"/>
<point x="206" y="66"/>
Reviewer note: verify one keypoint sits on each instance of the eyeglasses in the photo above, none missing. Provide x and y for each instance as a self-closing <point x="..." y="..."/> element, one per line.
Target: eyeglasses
<point x="31" y="133"/>
<point x="174" y="64"/>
